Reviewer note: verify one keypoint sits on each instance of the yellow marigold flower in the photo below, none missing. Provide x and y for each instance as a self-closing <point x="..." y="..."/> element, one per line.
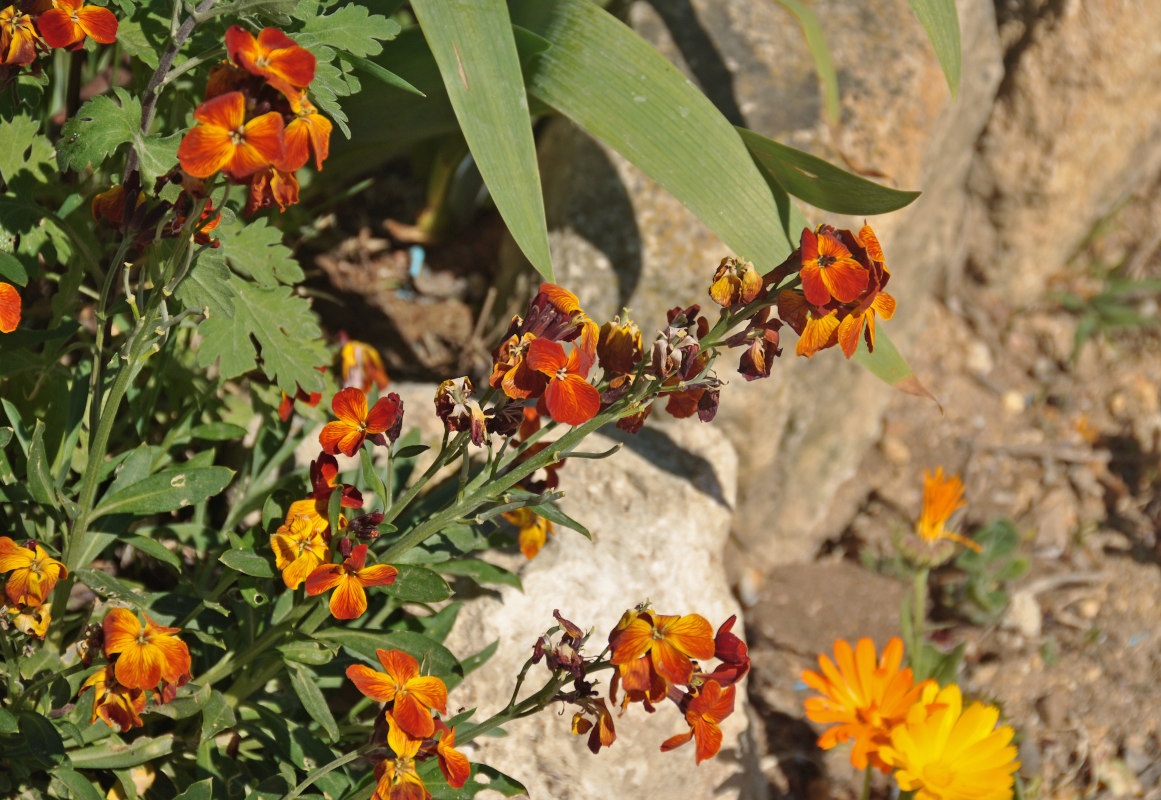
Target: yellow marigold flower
<point x="943" y="752"/>
<point x="866" y="699"/>
<point x="942" y="497"/>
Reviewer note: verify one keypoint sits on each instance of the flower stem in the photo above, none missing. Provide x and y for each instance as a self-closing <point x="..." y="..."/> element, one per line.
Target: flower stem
<point x="865" y="794"/>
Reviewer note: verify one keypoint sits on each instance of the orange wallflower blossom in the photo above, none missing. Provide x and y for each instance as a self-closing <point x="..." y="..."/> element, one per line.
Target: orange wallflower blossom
<point x="18" y="39"/>
<point x="298" y="549"/>
<point x="452" y="763"/>
<point x="119" y="706"/>
<point x="273" y="56"/>
<point x="355" y="423"/>
<point x="361" y="365"/>
<point x="511" y="372"/>
<point x="703" y="712"/>
<point x="619" y="345"/>
<point x="532" y="528"/>
<point x="828" y="269"/>
<point x="602" y="733"/>
<point x="315" y="512"/>
<point x="396" y="776"/>
<point x="10" y="307"/>
<point x="866" y="699"/>
<point x="348" y="579"/>
<point x="145" y="656"/>
<point x="943" y="752"/>
<point x="670" y="641"/>
<point x="225" y="141"/>
<point x="459" y="412"/>
<point x="309" y="132"/>
<point x="942" y="497"/>
<point x="735" y="282"/>
<point x="69" y="23"/>
<point x="413" y="696"/>
<point x="324" y="476"/>
<point x="34" y="572"/>
<point x="570" y="398"/>
<point x="30" y="620"/>
<point x="732" y="652"/>
<point x="641" y="682"/>
<point x="268" y="187"/>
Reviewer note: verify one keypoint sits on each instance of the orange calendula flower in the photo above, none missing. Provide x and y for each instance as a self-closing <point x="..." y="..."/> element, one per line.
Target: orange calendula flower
<point x="532" y="528"/>
<point x="670" y="641"/>
<point x="355" y="423"/>
<point x="145" y="656"/>
<point x="70" y="22"/>
<point x="348" y="580"/>
<point x="225" y="141"/>
<point x="34" y="572"/>
<point x="309" y="132"/>
<point x="735" y="282"/>
<point x="273" y="56"/>
<point x="570" y="398"/>
<point x="10" y="307"/>
<point x="829" y="270"/>
<point x="117" y="705"/>
<point x="704" y="712"/>
<point x="942" y="497"/>
<point x="413" y="695"/>
<point x="866" y="699"/>
<point x="298" y="549"/>
<point x="18" y="39"/>
<point x="362" y="366"/>
<point x="943" y="752"/>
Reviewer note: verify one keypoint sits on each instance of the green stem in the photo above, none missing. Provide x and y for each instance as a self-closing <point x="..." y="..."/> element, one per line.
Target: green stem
<point x="309" y="780"/>
<point x="526" y="707"/>
<point x="919" y="610"/>
<point x="866" y="793"/>
<point x="446" y="455"/>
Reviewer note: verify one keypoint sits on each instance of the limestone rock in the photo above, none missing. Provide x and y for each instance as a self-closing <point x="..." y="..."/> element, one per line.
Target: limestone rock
<point x="659" y="512"/>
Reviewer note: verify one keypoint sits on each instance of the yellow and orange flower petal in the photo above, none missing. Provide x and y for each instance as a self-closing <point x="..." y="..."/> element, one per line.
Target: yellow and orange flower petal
<point x="309" y="132"/>
<point x="452" y="763"/>
<point x="866" y="699"/>
<point x="819" y="334"/>
<point x="299" y="548"/>
<point x="30" y="620"/>
<point x="601" y="734"/>
<point x="273" y="56"/>
<point x="117" y="705"/>
<point x="396" y="776"/>
<point x="362" y="366"/>
<point x="735" y="282"/>
<point x="703" y="714"/>
<point x="355" y="422"/>
<point x="146" y="655"/>
<point x="619" y="346"/>
<point x="944" y="752"/>
<point x="224" y="141"/>
<point x="413" y="695"/>
<point x="348" y="579"/>
<point x="18" y="38"/>
<point x="570" y="398"/>
<point x="34" y="572"/>
<point x="670" y="641"/>
<point x="10" y="307"/>
<point x="532" y="528"/>
<point x="70" y="22"/>
<point x="829" y="271"/>
<point x="942" y="497"/>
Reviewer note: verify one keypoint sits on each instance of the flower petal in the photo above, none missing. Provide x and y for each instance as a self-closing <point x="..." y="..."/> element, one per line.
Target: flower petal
<point x="372" y="683"/>
<point x="205" y="150"/>
<point x="413" y="716"/>
<point x="325" y="577"/>
<point x="349" y="600"/>
<point x="58" y="29"/>
<point x="430" y="691"/>
<point x="9" y="308"/>
<point x="545" y="356"/>
<point x="98" y="23"/>
<point x="573" y="400"/>
<point x="121" y="627"/>
<point x="140" y="666"/>
<point x="378" y="575"/>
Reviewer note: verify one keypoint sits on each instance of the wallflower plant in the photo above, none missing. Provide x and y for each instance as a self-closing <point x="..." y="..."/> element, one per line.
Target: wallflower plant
<point x="180" y="595"/>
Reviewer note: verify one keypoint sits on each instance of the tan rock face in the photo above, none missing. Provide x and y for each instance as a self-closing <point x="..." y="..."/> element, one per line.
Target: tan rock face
<point x="618" y="239"/>
<point x="1075" y="130"/>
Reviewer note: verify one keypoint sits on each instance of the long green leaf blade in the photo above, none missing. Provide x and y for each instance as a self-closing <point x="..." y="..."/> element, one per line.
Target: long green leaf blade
<point x="941" y="22"/>
<point x="473" y="44"/>
<point x="820" y="52"/>
<point x="821" y="183"/>
<point x="612" y="83"/>
<point x="888" y="364"/>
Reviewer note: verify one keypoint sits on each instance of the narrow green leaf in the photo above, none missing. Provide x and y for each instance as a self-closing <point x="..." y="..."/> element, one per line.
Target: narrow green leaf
<point x="383" y="74"/>
<point x="218" y="432"/>
<point x="473" y="44"/>
<point x="477" y="660"/>
<point x="12" y="270"/>
<point x="110" y="587"/>
<point x="78" y="785"/>
<point x="823" y="65"/>
<point x="307" y="652"/>
<point x="305" y="686"/>
<point x="481" y="572"/>
<point x="608" y="80"/>
<point x="217" y="716"/>
<point x="248" y="563"/>
<point x="112" y="754"/>
<point x="434" y="658"/>
<point x="821" y="183"/>
<point x="554" y="515"/>
<point x="39" y="480"/>
<point x="185" y="705"/>
<point x="202" y="790"/>
<point x="154" y="548"/>
<point x="418" y="585"/>
<point x="167" y="491"/>
<point x="941" y="22"/>
<point x="888" y="364"/>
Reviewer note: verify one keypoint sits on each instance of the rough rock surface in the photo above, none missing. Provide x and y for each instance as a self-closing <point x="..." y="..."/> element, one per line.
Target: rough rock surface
<point x="659" y="512"/>
<point x="619" y="239"/>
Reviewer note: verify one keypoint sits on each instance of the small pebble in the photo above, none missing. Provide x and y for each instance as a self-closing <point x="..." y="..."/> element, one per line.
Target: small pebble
<point x="1013" y="402"/>
<point x="1088" y="608"/>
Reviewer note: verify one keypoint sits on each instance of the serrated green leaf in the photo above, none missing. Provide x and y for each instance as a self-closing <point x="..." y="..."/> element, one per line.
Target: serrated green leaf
<point x="166" y="491"/>
<point x="16" y="137"/>
<point x="247" y="562"/>
<point x="131" y="38"/>
<point x="819" y="182"/>
<point x="112" y="754"/>
<point x="481" y="572"/>
<point x="255" y="250"/>
<point x="305" y="685"/>
<point x="287" y="333"/>
<point x="99" y="127"/>
<point x="473" y="44"/>
<point x="206" y="287"/>
<point x="350" y="28"/>
<point x="156" y="155"/>
<point x="888" y="364"/>
<point x="608" y="80"/>
<point x="156" y="549"/>
<point x="415" y="584"/>
<point x="941" y="21"/>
